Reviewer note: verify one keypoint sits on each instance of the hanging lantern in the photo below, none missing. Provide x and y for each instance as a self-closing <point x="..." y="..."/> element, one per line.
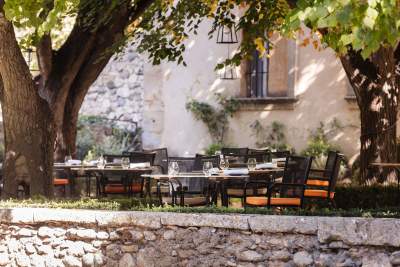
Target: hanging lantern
<point x="227" y="35"/>
<point x="228" y="73"/>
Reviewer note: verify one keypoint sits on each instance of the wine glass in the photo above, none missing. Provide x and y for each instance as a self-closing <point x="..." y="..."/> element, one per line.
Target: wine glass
<point x="125" y="163"/>
<point x="173" y="168"/>
<point x="207" y="166"/>
<point x="101" y="162"/>
<point x="67" y="159"/>
<point x="223" y="163"/>
<point x="251" y="164"/>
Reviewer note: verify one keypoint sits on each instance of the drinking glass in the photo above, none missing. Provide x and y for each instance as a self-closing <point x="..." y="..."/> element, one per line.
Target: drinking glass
<point x="67" y="159"/>
<point x="223" y="163"/>
<point x="207" y="166"/>
<point x="251" y="164"/>
<point x="173" y="168"/>
<point x="101" y="162"/>
<point x="125" y="163"/>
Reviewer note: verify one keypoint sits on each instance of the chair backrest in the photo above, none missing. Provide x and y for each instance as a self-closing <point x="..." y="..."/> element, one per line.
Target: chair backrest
<point x="114" y="158"/>
<point x="228" y="151"/>
<point x="140" y="157"/>
<point x="160" y="158"/>
<point x="200" y="159"/>
<point x="186" y="164"/>
<point x="261" y="155"/>
<point x="280" y="154"/>
<point x="332" y="168"/>
<point x="296" y="171"/>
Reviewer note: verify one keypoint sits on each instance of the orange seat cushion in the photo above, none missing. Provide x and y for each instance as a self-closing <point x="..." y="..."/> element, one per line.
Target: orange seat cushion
<point x="120" y="189"/>
<point x="275" y="201"/>
<point x="60" y="181"/>
<point x="317" y="182"/>
<point x="318" y="193"/>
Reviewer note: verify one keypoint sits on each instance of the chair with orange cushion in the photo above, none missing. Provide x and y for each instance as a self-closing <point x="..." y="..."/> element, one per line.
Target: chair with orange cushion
<point x="323" y="186"/>
<point x="126" y="184"/>
<point x="289" y="193"/>
<point x="61" y="179"/>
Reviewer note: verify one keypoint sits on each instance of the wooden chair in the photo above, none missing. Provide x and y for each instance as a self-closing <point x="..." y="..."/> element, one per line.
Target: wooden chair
<point x="321" y="183"/>
<point x="289" y="193"/>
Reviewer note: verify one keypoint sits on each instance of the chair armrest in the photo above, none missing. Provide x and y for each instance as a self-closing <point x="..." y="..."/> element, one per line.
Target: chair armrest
<point x="277" y="185"/>
<point x="267" y="184"/>
<point x="317" y="177"/>
<point x="317" y="170"/>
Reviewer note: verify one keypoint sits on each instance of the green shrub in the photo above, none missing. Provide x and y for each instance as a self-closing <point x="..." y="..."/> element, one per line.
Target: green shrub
<point x="216" y="120"/>
<point x="98" y="135"/>
<point x="212" y="149"/>
<point x="318" y="143"/>
<point x="272" y="137"/>
<point x="366" y="197"/>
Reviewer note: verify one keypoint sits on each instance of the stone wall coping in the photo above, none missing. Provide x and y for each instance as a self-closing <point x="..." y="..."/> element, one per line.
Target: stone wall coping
<point x="349" y="230"/>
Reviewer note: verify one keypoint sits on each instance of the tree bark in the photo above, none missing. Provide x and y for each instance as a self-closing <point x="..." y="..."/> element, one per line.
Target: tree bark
<point x="27" y="122"/>
<point x="377" y="92"/>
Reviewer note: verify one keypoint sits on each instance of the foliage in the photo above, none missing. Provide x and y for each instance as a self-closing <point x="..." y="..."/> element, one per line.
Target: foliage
<point x="351" y="202"/>
<point x="213" y="148"/>
<point x="318" y="144"/>
<point x="216" y="120"/>
<point x="97" y="135"/>
<point x="366" y="197"/>
<point x="349" y="24"/>
<point x="272" y="137"/>
<point x="165" y="27"/>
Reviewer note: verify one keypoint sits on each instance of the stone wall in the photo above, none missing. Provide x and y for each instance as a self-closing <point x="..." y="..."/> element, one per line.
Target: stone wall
<point x="42" y="237"/>
<point x="118" y="91"/>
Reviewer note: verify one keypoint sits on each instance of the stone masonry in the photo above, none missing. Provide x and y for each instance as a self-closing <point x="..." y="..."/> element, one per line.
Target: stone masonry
<point x="53" y="237"/>
<point x="118" y="92"/>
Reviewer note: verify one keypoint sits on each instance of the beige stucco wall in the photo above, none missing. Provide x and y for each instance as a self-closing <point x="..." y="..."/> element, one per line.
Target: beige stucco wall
<point x="320" y="86"/>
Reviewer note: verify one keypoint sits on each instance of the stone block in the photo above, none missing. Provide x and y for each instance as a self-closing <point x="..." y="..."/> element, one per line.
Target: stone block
<point x="238" y="222"/>
<point x="283" y="224"/>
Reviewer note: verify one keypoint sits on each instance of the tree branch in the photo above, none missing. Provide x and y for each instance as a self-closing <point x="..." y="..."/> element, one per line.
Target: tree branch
<point x="359" y="72"/>
<point x="44" y="53"/>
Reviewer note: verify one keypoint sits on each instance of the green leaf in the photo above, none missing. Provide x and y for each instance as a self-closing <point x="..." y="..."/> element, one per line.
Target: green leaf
<point x="347" y="39"/>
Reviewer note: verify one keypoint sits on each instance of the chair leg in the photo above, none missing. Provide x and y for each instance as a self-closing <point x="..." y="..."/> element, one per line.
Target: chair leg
<point x="333" y="203"/>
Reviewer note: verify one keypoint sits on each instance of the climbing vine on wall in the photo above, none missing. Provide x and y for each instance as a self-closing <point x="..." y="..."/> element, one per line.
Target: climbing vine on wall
<point x="216" y="119"/>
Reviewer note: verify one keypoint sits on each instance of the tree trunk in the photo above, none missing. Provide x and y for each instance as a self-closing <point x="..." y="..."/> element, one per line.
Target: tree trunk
<point x="29" y="148"/>
<point x="374" y="83"/>
<point x="28" y="125"/>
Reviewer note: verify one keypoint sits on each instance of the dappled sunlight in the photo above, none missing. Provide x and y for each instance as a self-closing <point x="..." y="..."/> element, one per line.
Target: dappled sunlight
<point x="320" y="85"/>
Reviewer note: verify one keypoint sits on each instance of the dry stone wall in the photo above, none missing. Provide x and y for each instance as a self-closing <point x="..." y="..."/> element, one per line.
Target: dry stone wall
<point x="118" y="92"/>
<point x="43" y="237"/>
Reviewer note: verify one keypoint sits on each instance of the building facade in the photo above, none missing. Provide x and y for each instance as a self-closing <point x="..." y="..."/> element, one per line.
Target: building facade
<point x="300" y="87"/>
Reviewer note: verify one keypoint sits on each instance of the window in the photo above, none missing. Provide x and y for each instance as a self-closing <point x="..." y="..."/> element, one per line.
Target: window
<point x="258" y="76"/>
<point x="271" y="78"/>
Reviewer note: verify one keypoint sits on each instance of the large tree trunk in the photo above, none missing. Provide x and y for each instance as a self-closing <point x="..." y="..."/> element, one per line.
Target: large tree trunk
<point x="374" y="83"/>
<point x="28" y="125"/>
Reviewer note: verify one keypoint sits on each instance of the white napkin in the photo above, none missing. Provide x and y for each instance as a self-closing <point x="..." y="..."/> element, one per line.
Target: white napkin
<point x="278" y="159"/>
<point x="139" y="165"/>
<point x="74" y="162"/>
<point x="214" y="171"/>
<point x="267" y="165"/>
<point x="236" y="172"/>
